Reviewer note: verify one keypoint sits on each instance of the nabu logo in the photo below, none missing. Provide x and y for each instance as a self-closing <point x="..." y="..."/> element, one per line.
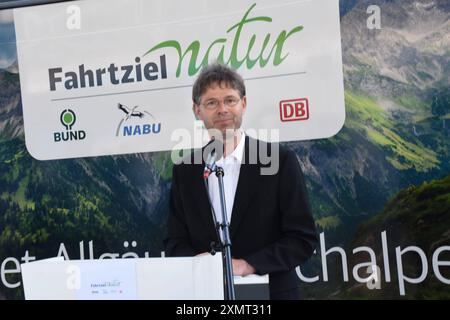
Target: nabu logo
<point x="136" y="122"/>
<point x="68" y="119"/>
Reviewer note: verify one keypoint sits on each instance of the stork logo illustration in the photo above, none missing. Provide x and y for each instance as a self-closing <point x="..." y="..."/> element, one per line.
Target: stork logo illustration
<point x="136" y="122"/>
<point x="68" y="119"/>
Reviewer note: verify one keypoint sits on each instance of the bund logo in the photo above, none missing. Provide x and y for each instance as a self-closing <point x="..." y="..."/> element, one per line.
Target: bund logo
<point x="294" y="110"/>
<point x="68" y="119"/>
<point x="136" y="122"/>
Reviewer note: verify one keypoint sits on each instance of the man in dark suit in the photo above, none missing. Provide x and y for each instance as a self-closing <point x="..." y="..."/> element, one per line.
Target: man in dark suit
<point x="271" y="226"/>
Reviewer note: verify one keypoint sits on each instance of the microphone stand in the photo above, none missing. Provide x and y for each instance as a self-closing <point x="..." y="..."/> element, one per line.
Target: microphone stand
<point x="225" y="228"/>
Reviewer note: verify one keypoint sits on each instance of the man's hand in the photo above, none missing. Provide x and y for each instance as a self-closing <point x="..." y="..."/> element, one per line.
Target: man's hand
<point x="242" y="268"/>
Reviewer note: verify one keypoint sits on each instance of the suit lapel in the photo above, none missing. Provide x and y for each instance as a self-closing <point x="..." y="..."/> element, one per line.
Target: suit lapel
<point x="246" y="188"/>
<point x="201" y="198"/>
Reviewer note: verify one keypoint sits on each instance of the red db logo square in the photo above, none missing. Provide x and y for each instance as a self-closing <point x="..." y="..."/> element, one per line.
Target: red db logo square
<point x="294" y="110"/>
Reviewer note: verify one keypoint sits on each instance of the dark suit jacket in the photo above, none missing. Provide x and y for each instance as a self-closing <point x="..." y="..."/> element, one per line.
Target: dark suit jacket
<point x="271" y="224"/>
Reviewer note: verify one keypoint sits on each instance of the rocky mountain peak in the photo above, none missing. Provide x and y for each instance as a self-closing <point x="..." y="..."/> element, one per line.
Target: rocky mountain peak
<point x="411" y="50"/>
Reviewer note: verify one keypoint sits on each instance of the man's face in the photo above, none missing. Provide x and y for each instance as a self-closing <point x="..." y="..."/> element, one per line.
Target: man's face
<point x="221" y="108"/>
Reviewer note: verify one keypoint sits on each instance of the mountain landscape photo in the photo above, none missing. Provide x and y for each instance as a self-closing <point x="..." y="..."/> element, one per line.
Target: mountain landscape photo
<point x="386" y="170"/>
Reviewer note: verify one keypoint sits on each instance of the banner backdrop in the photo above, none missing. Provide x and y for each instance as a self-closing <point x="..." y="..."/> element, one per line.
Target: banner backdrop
<point x="122" y="83"/>
<point x="379" y="188"/>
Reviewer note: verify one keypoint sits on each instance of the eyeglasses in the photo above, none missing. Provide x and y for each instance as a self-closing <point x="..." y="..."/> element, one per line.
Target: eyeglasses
<point x="228" y="102"/>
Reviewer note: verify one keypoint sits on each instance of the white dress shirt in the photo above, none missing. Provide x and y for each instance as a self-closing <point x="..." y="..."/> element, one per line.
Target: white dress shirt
<point x="231" y="165"/>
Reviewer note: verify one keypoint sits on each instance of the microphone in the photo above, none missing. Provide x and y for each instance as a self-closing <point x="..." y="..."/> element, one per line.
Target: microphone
<point x="210" y="164"/>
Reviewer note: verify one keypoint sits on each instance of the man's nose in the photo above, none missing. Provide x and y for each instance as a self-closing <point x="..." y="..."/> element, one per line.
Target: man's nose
<point x="222" y="108"/>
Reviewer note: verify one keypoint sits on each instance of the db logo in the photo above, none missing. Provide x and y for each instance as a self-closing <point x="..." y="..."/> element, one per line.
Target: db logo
<point x="294" y="110"/>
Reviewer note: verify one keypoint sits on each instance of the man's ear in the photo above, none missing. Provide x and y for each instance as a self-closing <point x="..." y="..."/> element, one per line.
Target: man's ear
<point x="196" y="110"/>
<point x="244" y="104"/>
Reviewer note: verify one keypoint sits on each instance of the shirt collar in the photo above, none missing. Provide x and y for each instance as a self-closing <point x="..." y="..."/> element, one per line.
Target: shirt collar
<point x="238" y="151"/>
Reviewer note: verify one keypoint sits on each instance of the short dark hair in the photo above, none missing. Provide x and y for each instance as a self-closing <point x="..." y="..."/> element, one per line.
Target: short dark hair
<point x="217" y="73"/>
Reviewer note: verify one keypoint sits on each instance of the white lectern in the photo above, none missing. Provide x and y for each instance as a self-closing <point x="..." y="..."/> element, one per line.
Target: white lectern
<point x="190" y="278"/>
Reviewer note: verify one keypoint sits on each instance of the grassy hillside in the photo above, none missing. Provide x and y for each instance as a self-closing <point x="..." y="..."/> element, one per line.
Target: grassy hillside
<point x="43" y="204"/>
<point x="419" y="216"/>
<point x="403" y="149"/>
